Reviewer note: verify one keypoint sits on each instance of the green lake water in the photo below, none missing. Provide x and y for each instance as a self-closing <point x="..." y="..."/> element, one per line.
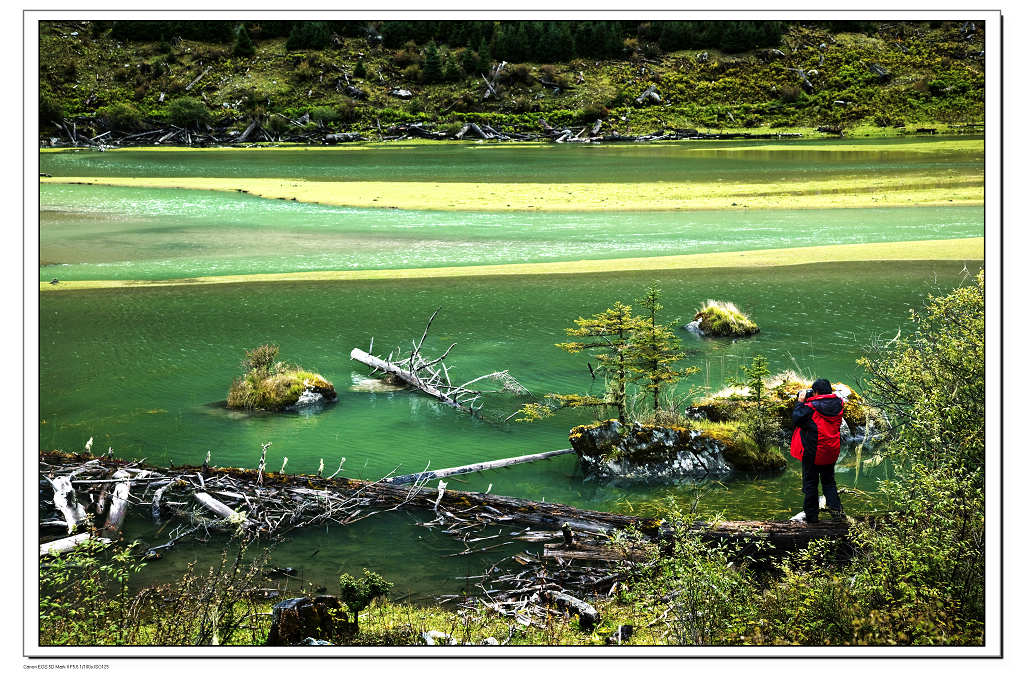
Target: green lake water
<point x="145" y="370"/>
<point x="107" y="232"/>
<point x="472" y="162"/>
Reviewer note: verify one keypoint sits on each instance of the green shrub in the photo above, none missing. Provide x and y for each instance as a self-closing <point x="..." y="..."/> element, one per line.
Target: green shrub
<point x="260" y="358"/>
<point x="187" y="112"/>
<point x="278" y="124"/>
<point x="408" y="55"/>
<point x="357" y="593"/>
<point x="305" y="71"/>
<point x="360" y="69"/>
<point x="323" y="115"/>
<point x="120" y="116"/>
<point x="413" y="73"/>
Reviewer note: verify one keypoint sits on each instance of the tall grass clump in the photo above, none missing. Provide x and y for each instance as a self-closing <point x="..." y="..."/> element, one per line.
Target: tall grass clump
<point x="271" y="385"/>
<point x="723" y="318"/>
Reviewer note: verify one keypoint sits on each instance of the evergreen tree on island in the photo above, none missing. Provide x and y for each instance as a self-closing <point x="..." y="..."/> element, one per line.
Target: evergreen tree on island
<point x="653" y="349"/>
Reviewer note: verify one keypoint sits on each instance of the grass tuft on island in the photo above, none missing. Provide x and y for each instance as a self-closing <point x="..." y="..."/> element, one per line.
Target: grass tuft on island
<point x="723" y="318"/>
<point x="269" y="385"/>
<point x="730" y="405"/>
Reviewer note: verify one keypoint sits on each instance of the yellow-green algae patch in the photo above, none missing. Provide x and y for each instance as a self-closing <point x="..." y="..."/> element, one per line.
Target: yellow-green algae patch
<point x="962" y="249"/>
<point x="874" y="190"/>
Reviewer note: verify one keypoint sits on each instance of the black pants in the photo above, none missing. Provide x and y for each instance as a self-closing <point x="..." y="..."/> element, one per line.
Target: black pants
<point x="811" y="474"/>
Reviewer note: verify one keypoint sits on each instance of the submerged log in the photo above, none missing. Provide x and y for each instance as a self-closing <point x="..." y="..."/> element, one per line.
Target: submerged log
<point x="426" y="476"/>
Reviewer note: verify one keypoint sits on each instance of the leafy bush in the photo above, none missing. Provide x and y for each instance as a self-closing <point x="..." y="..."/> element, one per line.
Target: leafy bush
<point x="83" y="596"/>
<point x="120" y="116"/>
<point x="408" y="55"/>
<point x="85" y="600"/>
<point x="261" y="358"/>
<point x="305" y="71"/>
<point x="187" y="112"/>
<point x="360" y="70"/>
<point x="357" y="593"/>
<point x="413" y="73"/>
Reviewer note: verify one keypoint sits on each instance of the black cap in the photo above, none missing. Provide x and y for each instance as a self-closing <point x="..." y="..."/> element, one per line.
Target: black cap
<point x="822" y="386"/>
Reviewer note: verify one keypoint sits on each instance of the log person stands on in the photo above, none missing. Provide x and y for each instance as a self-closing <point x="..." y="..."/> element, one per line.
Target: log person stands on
<point x="816" y="419"/>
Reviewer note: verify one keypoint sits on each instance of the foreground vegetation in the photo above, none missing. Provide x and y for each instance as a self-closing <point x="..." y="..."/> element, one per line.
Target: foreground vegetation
<point x="753" y="76"/>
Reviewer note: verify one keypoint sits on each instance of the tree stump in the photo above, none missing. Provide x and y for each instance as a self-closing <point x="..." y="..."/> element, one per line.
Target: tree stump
<point x="296" y="619"/>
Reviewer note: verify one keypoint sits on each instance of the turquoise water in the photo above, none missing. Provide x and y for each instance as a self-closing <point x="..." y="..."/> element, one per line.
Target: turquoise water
<point x="104" y="232"/>
<point x="141" y="370"/>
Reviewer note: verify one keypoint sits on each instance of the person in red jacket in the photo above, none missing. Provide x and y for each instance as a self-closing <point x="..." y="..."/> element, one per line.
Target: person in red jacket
<point x="816" y="419"/>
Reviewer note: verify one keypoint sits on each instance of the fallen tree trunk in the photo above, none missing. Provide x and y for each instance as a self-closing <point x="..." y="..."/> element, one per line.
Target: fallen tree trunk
<point x="358" y="495"/>
<point x="68" y="544"/>
<point x="407" y="376"/>
<point x="426" y="476"/>
<point x="431" y="376"/>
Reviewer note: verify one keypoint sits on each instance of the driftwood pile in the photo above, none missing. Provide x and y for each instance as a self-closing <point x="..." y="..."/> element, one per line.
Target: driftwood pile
<point x="258" y="132"/>
<point x="569" y="554"/>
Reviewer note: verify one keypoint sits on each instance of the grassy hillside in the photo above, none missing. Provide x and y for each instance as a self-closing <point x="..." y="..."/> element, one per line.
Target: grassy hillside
<point x="894" y="76"/>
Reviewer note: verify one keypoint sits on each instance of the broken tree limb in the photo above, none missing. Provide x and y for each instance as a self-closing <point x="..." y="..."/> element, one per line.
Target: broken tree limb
<point x="66" y="501"/>
<point x="425" y="376"/>
<point x="118" y="504"/>
<point x="201" y="76"/>
<point x="475" y="467"/>
<point x="217" y="508"/>
<point x="407" y="376"/>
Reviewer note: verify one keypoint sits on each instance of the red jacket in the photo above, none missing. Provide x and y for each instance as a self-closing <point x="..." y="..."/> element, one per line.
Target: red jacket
<point x="816" y="429"/>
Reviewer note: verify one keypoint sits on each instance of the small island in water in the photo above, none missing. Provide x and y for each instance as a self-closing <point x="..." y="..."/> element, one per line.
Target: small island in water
<point x="721" y="319"/>
<point x="270" y="385"/>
